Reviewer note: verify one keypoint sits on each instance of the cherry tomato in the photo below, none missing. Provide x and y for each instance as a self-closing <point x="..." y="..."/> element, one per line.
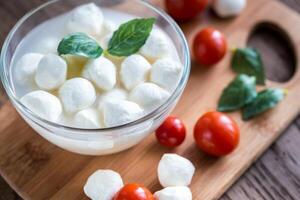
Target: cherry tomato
<point x="183" y="10"/>
<point x="209" y="46"/>
<point x="171" y="133"/>
<point x="134" y="192"/>
<point x="216" y="134"/>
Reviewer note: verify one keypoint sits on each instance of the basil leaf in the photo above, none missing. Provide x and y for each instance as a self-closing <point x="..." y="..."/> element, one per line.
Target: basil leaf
<point x="79" y="44"/>
<point x="248" y="61"/>
<point x="130" y="37"/>
<point x="264" y="101"/>
<point x="238" y="93"/>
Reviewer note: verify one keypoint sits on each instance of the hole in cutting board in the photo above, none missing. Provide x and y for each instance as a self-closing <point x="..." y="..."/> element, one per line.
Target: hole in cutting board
<point x="276" y="49"/>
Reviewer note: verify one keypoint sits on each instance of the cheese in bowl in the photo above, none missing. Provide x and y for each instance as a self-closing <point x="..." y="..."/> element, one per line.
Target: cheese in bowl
<point x="97" y="79"/>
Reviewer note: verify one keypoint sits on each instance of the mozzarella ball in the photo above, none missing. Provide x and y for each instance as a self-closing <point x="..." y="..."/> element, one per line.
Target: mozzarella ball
<point x="119" y="112"/>
<point x="117" y="94"/>
<point x="106" y="34"/>
<point x="87" y="118"/>
<point x="134" y="70"/>
<point x="26" y="67"/>
<point x="174" y="170"/>
<point x="103" y="185"/>
<point x="43" y="104"/>
<point x="87" y="18"/>
<point x="105" y="41"/>
<point x="108" y="28"/>
<point x="77" y="94"/>
<point x="47" y="45"/>
<point x="228" y="8"/>
<point x="114" y="94"/>
<point x="166" y="73"/>
<point x="156" y="46"/>
<point x="149" y="96"/>
<point x="102" y="72"/>
<point x="174" y="193"/>
<point x="51" y="72"/>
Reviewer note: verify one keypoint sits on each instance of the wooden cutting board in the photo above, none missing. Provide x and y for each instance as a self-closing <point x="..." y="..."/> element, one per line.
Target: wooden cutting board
<point x="39" y="170"/>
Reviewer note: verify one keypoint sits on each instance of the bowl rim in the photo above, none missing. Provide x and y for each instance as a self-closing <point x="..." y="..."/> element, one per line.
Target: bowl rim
<point x="177" y="92"/>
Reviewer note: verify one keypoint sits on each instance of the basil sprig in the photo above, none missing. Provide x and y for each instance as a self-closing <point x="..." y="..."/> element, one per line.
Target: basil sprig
<point x="238" y="93"/>
<point x="127" y="40"/>
<point x="130" y="37"/>
<point x="241" y="92"/>
<point x="264" y="101"/>
<point x="79" y="44"/>
<point x="248" y="61"/>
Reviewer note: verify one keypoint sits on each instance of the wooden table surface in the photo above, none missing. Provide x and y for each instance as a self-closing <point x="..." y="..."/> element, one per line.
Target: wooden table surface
<point x="276" y="175"/>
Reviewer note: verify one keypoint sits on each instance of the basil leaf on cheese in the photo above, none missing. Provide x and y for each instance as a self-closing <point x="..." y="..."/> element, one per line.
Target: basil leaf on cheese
<point x="130" y="37"/>
<point x="79" y="44"/>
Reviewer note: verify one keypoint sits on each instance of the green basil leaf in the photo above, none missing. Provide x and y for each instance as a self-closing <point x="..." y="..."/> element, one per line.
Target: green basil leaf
<point x="264" y="101"/>
<point x="79" y="44"/>
<point x="130" y="37"/>
<point x="248" y="61"/>
<point x="238" y="93"/>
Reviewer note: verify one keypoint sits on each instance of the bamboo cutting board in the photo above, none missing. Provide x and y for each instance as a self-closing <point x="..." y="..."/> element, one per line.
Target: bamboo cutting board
<point x="38" y="170"/>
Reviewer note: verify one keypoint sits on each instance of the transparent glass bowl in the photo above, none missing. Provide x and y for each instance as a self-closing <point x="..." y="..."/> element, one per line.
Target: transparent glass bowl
<point x="94" y="141"/>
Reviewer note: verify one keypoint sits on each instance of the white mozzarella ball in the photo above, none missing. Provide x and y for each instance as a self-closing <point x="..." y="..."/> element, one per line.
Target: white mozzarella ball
<point x="119" y="112"/>
<point x="51" y="72"/>
<point x="47" y="45"/>
<point x="43" y="104"/>
<point x="77" y="94"/>
<point x="228" y="8"/>
<point x="117" y="94"/>
<point x="156" y="46"/>
<point x="26" y="67"/>
<point x="105" y="41"/>
<point x="106" y="34"/>
<point x="148" y="95"/>
<point x="174" y="193"/>
<point x="87" y="18"/>
<point x="87" y="118"/>
<point x="166" y="73"/>
<point x="102" y="72"/>
<point x="108" y="27"/>
<point x="174" y="170"/>
<point x="134" y="70"/>
<point x="103" y="185"/>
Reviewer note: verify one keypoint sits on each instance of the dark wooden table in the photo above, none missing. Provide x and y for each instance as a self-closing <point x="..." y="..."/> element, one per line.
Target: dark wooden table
<point x="276" y="175"/>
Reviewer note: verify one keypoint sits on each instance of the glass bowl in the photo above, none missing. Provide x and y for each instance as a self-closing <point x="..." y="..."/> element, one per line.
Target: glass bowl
<point x="94" y="141"/>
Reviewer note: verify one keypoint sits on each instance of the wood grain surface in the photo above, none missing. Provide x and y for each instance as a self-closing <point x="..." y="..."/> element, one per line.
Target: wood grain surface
<point x="275" y="176"/>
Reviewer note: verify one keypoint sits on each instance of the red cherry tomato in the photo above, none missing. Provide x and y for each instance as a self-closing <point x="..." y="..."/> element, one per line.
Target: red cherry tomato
<point x="216" y="134"/>
<point x="183" y="10"/>
<point x="134" y="192"/>
<point x="171" y="133"/>
<point x="209" y="46"/>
